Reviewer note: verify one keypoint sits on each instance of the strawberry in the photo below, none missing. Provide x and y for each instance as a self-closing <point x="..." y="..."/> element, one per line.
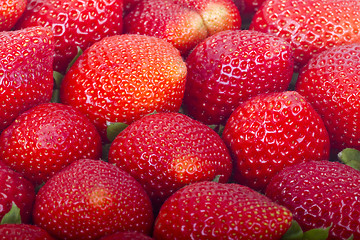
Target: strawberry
<point x="311" y="26"/>
<point x="320" y="194"/>
<point x="272" y="131"/>
<point x="46" y="138"/>
<point x="127" y="236"/>
<point x="184" y="23"/>
<point x="331" y="83"/>
<point x="228" y="68"/>
<point x="75" y="23"/>
<point x="211" y="210"/>
<point x="23" y="232"/>
<point x="10" y="13"/>
<point x="90" y="199"/>
<point x="26" y="75"/>
<point x="167" y="151"/>
<point x="15" y="189"/>
<point x="124" y="77"/>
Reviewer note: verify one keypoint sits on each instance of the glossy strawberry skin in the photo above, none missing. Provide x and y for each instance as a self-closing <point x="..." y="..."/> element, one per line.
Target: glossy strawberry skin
<point x="210" y="210"/>
<point x="23" y="232"/>
<point x="124" y="77"/>
<point x="331" y="83"/>
<point x="90" y="199"/>
<point x="15" y="188"/>
<point x="10" y="13"/>
<point x="228" y="68"/>
<point x="320" y="194"/>
<point x="46" y="138"/>
<point x="272" y="131"/>
<point x="167" y="151"/>
<point x="75" y="23"/>
<point x="26" y="76"/>
<point x="310" y="26"/>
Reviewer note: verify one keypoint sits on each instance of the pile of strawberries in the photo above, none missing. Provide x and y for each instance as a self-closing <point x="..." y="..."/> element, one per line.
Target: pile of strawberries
<point x="180" y="119"/>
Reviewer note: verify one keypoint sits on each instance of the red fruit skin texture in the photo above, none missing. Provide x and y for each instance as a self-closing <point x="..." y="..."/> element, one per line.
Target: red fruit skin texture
<point x="75" y="23"/>
<point x="15" y="188"/>
<point x="124" y="77"/>
<point x="26" y="76"/>
<point x="90" y="199"/>
<point x="272" y="131"/>
<point x="10" y="13"/>
<point x="320" y="194"/>
<point x="127" y="236"/>
<point x="167" y="151"/>
<point x="310" y="26"/>
<point x="331" y="83"/>
<point x="210" y="210"/>
<point x="46" y="138"/>
<point x="232" y="66"/>
<point x="23" y="232"/>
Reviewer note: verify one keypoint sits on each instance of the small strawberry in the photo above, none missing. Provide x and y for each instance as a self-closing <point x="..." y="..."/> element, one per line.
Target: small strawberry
<point x="127" y="236"/>
<point x="90" y="199"/>
<point x="46" y="138"/>
<point x="10" y="13"/>
<point x="75" y="23"/>
<point x="26" y="75"/>
<point x="210" y="210"/>
<point x="23" y="232"/>
<point x="320" y="194"/>
<point x="167" y="151"/>
<point x="184" y="23"/>
<point x="310" y="26"/>
<point x="272" y="131"/>
<point x="331" y="84"/>
<point x="15" y="189"/>
<point x="124" y="77"/>
<point x="228" y="68"/>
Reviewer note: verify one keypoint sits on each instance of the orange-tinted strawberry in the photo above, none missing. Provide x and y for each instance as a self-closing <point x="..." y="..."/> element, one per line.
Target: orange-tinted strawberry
<point x="310" y="26"/>
<point x="23" y="232"/>
<point x="75" y="23"/>
<point x="124" y="77"/>
<point x="10" y="12"/>
<point x="90" y="199"/>
<point x="46" y="138"/>
<point x="26" y="74"/>
<point x="167" y="151"/>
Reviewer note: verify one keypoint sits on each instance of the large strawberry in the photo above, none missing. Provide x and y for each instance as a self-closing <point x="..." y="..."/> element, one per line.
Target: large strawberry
<point x="75" y="23"/>
<point x="331" y="83"/>
<point x="320" y="194"/>
<point x="167" y="151"/>
<point x="15" y="189"/>
<point x="46" y="138"/>
<point x="26" y="75"/>
<point x="124" y="77"/>
<point x="10" y="12"/>
<point x="90" y="199"/>
<point x="272" y="131"/>
<point x="311" y="26"/>
<point x="211" y="210"/>
<point x="23" y="232"/>
<point x="184" y="23"/>
<point x="228" y="68"/>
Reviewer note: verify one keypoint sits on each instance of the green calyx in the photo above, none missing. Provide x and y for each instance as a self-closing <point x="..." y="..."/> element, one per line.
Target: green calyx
<point x="296" y="233"/>
<point x="350" y="157"/>
<point x="13" y="216"/>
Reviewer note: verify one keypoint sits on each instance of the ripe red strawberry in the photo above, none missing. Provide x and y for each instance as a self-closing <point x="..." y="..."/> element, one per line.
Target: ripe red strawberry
<point x="26" y="75"/>
<point x="124" y="77"/>
<point x="331" y="83"/>
<point x="248" y="8"/>
<point x="167" y="151"/>
<point x="23" y="232"/>
<point x="310" y="26"/>
<point x="127" y="236"/>
<point x="75" y="23"/>
<point x="46" y="138"/>
<point x="90" y="199"/>
<point x="272" y="131"/>
<point x="320" y="194"/>
<point x="184" y="23"/>
<point x="14" y="188"/>
<point x="228" y="68"/>
<point x="10" y="13"/>
<point x="210" y="210"/>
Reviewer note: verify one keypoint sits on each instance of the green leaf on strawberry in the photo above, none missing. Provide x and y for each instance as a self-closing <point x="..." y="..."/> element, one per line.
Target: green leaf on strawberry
<point x="113" y="129"/>
<point x="350" y="157"/>
<point x="79" y="52"/>
<point x="317" y="234"/>
<point x="13" y="216"/>
<point x="294" y="232"/>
